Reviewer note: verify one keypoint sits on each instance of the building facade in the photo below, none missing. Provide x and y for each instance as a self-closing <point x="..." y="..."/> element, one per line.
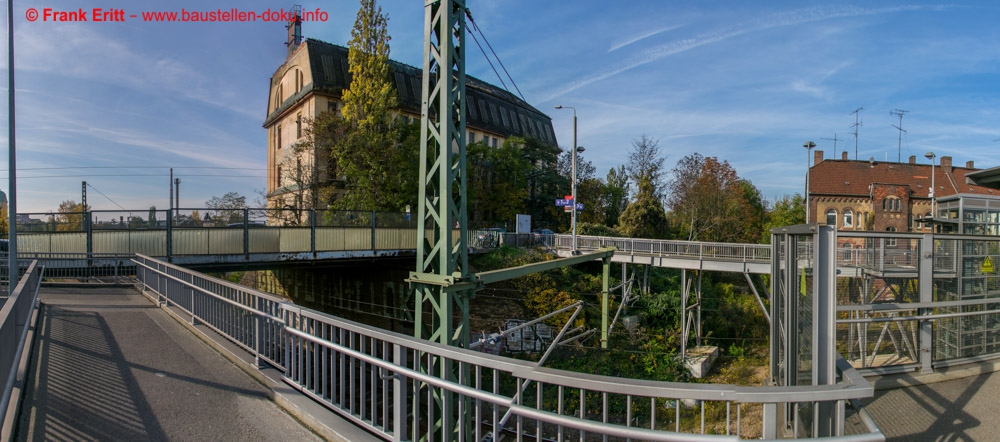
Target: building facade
<point x="312" y="80"/>
<point x="897" y="197"/>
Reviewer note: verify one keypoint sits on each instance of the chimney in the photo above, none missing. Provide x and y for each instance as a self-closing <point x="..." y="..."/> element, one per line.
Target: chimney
<point x="843" y="155"/>
<point x="817" y="157"/>
<point x="946" y="162"/>
<point x="913" y="159"/>
<point x="294" y="27"/>
<point x="970" y="164"/>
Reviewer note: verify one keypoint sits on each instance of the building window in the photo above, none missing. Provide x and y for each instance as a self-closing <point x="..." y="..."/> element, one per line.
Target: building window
<point x="848" y="253"/>
<point x="472" y="138"/>
<point x="831" y="217"/>
<point x="331" y="106"/>
<point x="494" y="141"/>
<point x="277" y="98"/>
<point x="891" y="242"/>
<point x="298" y="126"/>
<point x="848" y="218"/>
<point x="277" y="137"/>
<point x="278" y="178"/>
<point x="891" y="204"/>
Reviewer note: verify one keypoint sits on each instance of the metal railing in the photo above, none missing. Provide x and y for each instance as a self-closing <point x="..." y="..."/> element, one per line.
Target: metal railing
<point x="15" y="316"/>
<point x="82" y="266"/>
<point x="760" y="253"/>
<point x="379" y="380"/>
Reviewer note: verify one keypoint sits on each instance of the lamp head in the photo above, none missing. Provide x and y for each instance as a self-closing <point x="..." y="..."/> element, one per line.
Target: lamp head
<point x="558" y="106"/>
<point x="929" y="155"/>
<point x="808" y="145"/>
<point x="580" y="149"/>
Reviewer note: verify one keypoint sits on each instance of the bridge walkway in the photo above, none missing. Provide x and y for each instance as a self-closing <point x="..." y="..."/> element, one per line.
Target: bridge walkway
<point x="109" y="365"/>
<point x="957" y="404"/>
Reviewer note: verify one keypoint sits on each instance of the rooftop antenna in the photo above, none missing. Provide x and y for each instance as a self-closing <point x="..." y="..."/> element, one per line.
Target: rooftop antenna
<point x="834" y="139"/>
<point x="857" y="124"/>
<point x="899" y="144"/>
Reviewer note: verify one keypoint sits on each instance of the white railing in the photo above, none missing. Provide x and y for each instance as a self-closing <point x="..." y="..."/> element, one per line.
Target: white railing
<point x="382" y="381"/>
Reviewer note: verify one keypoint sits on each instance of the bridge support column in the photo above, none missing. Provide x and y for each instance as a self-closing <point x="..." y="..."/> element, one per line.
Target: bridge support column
<point x="605" y="291"/>
<point x="926" y="282"/>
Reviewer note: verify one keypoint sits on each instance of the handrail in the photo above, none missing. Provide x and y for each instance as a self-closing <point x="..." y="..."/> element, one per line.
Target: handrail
<point x="15" y="318"/>
<point x="349" y="367"/>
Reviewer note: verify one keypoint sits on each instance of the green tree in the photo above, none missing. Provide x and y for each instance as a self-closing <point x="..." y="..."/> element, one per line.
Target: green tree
<point x="374" y="150"/>
<point x="498" y="184"/>
<point x="789" y="210"/>
<point x="616" y="194"/>
<point x="545" y="184"/>
<point x="644" y="217"/>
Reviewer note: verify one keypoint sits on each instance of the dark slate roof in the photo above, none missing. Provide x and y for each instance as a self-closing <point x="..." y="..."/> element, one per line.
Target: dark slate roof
<point x="852" y="178"/>
<point x="488" y="107"/>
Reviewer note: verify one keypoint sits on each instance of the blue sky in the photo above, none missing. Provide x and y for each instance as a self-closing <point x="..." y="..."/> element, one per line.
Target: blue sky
<point x="747" y="82"/>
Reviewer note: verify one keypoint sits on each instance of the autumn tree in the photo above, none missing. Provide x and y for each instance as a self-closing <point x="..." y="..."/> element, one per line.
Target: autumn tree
<point x="709" y="202"/>
<point x="70" y="217"/>
<point x="545" y="184"/>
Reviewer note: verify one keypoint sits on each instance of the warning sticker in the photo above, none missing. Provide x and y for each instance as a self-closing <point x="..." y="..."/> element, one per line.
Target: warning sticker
<point x="988" y="266"/>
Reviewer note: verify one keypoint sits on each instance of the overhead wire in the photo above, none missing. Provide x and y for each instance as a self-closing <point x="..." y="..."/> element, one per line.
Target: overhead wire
<point x="475" y="28"/>
<point x="108" y="197"/>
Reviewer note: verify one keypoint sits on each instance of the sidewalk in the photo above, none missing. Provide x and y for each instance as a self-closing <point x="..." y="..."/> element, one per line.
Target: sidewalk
<point x="110" y="365"/>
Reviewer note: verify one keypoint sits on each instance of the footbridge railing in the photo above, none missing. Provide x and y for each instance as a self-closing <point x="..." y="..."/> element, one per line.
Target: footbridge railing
<point x="16" y="310"/>
<point x="373" y="377"/>
<point x="760" y="253"/>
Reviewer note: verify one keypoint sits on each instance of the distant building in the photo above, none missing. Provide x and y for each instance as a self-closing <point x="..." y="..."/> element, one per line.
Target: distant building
<point x="312" y="80"/>
<point x="895" y="197"/>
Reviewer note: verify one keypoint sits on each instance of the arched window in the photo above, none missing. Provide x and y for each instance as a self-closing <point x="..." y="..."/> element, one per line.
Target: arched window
<point x="848" y="218"/>
<point x="831" y="217"/>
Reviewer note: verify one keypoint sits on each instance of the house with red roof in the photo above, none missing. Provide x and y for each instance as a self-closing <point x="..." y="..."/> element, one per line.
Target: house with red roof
<point x="898" y="197"/>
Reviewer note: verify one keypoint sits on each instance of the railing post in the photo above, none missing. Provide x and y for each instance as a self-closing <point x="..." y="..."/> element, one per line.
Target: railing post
<point x="400" y="401"/>
<point x="170" y="235"/>
<point x="258" y="341"/>
<point x="312" y="230"/>
<point x="926" y="281"/>
<point x="373" y="230"/>
<point x="246" y="231"/>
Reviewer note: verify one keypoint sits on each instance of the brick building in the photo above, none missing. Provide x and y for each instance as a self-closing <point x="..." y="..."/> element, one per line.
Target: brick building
<point x="896" y="197"/>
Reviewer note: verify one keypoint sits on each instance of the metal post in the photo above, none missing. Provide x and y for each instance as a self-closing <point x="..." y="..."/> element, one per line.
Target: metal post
<point x="808" y="145"/>
<point x="312" y="230"/>
<point x="11" y="161"/>
<point x="926" y="282"/>
<point x="605" y="290"/>
<point x="574" y="182"/>
<point x="246" y="231"/>
<point x="825" y="320"/>
<point x="572" y="176"/>
<point x="399" y="403"/>
<point x="170" y="246"/>
<point x="171" y="192"/>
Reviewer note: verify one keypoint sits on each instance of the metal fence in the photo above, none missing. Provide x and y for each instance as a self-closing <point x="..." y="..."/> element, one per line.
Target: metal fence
<point x="15" y="316"/>
<point x="380" y="380"/>
<point x="760" y="253"/>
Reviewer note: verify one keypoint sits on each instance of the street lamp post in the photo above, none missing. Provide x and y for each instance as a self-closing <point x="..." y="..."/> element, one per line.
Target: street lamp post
<point x="931" y="156"/>
<point x="808" y="145"/>
<point x="573" y="174"/>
